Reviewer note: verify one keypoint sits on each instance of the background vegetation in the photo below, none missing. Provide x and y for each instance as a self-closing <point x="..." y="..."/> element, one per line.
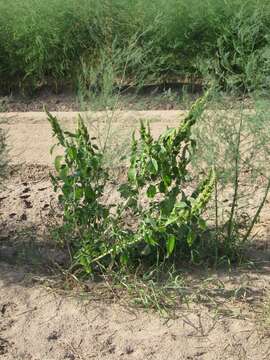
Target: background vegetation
<point x="52" y="42"/>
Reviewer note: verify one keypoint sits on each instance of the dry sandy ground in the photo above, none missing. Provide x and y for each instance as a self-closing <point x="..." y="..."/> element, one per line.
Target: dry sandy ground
<point x="29" y="134"/>
<point x="38" y="322"/>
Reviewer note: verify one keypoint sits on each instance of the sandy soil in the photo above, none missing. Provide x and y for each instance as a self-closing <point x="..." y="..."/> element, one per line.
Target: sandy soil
<point x="29" y="134"/>
<point x="42" y="322"/>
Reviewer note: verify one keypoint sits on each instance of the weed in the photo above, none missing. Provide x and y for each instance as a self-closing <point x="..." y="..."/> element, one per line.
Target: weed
<point x="82" y="179"/>
<point x="172" y="221"/>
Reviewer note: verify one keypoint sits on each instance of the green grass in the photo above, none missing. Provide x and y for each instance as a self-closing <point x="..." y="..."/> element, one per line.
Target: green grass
<point x="47" y="42"/>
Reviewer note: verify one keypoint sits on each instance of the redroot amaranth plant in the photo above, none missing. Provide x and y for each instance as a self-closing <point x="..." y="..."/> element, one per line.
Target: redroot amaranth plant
<point x="172" y="219"/>
<point x="169" y="221"/>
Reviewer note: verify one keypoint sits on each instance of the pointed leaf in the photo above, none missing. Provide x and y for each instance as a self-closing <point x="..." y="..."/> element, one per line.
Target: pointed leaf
<point x="132" y="174"/>
<point x="151" y="191"/>
<point x="170" y="244"/>
<point x="191" y="237"/>
<point x="57" y="163"/>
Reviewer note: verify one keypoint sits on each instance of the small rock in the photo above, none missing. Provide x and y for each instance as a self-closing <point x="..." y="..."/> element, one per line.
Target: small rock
<point x="23" y="217"/>
<point x="53" y="336"/>
<point x="42" y="189"/>
<point x="28" y="204"/>
<point x="25" y="196"/>
<point x="26" y="190"/>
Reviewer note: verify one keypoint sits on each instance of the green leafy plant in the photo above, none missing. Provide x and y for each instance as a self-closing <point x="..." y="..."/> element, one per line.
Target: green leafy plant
<point x="167" y="208"/>
<point x="81" y="178"/>
<point x="172" y="220"/>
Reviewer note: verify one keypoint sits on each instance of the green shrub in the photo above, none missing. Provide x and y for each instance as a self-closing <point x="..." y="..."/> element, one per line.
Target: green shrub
<point x="171" y="223"/>
<point x="167" y="208"/>
<point x="81" y="179"/>
<point x="241" y="61"/>
<point x="172" y="220"/>
<point x="47" y="42"/>
<point x="43" y="42"/>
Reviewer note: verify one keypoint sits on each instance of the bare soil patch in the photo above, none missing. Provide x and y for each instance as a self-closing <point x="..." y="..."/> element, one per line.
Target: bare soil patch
<point x="150" y="97"/>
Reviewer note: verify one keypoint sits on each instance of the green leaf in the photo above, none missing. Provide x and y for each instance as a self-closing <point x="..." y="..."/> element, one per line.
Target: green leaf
<point x="167" y="205"/>
<point x="162" y="187"/>
<point x="72" y="153"/>
<point x="191" y="237"/>
<point x="172" y="219"/>
<point x="149" y="237"/>
<point x="70" y="134"/>
<point x="170" y="244"/>
<point x="89" y="194"/>
<point x="151" y="191"/>
<point x="52" y="148"/>
<point x="155" y="164"/>
<point x="167" y="180"/>
<point x="132" y="174"/>
<point x="63" y="173"/>
<point x="125" y="191"/>
<point x="124" y="259"/>
<point x="162" y="150"/>
<point x="152" y="166"/>
<point x="78" y="193"/>
<point x="95" y="162"/>
<point x="202" y="224"/>
<point x="57" y="163"/>
<point x="67" y="191"/>
<point x="181" y="205"/>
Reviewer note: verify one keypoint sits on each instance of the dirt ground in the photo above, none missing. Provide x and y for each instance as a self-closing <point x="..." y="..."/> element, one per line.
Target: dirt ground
<point x="151" y="97"/>
<point x="29" y="134"/>
<point x="39" y="321"/>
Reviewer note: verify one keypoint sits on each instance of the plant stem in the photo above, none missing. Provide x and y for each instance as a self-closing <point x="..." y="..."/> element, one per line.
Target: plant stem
<point x="216" y="221"/>
<point x="255" y="218"/>
<point x="236" y="179"/>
